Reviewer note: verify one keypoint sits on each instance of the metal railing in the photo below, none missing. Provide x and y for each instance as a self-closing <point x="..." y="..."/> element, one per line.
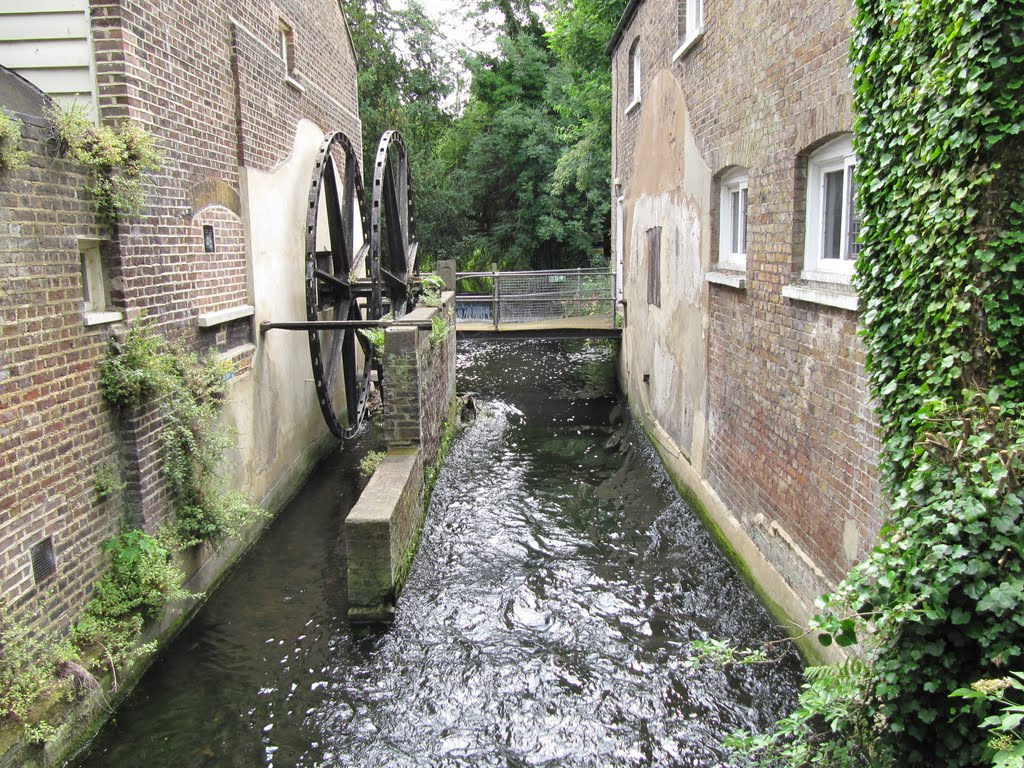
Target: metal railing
<point x="549" y="298"/>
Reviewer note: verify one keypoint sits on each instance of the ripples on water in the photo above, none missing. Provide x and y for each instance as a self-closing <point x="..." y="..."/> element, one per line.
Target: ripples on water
<point x="546" y="621"/>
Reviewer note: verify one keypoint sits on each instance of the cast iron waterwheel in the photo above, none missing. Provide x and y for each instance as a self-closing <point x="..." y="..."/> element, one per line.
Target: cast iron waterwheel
<point x="393" y="245"/>
<point x="333" y="289"/>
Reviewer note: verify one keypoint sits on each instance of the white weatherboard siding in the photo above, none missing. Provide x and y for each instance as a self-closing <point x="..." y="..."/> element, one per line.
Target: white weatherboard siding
<point x="47" y="42"/>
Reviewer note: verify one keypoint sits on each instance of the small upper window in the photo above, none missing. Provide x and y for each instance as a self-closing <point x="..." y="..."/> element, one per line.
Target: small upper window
<point x="286" y="46"/>
<point x="634" y="74"/>
<point x="732" y="248"/>
<point x="97" y="303"/>
<point x="830" y="245"/>
<point x="690" y="18"/>
<point x="694" y="18"/>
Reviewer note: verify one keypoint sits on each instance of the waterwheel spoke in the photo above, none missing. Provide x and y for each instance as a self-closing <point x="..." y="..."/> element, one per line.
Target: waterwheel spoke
<point x="396" y="233"/>
<point x="340" y="248"/>
<point x="329" y="285"/>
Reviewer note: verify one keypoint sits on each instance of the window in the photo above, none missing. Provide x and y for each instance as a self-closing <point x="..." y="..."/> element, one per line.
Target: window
<point x="286" y="46"/>
<point x="691" y="25"/>
<point x="654" y="266"/>
<point x="95" y="284"/>
<point x="694" y="18"/>
<point x="634" y="74"/>
<point x="830" y="244"/>
<point x="732" y="246"/>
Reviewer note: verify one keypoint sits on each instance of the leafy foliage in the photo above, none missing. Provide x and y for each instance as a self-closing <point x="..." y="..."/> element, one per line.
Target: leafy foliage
<point x="369" y="463"/>
<point x="188" y="388"/>
<point x="520" y="175"/>
<point x="940" y="601"/>
<point x="11" y="156"/>
<point x="139" y="581"/>
<point x="119" y="157"/>
<point x="439" y="328"/>
<point x="431" y="289"/>
<point x="135" y="369"/>
<point x="1006" y="734"/>
<point x="28" y="660"/>
<point x="107" y="481"/>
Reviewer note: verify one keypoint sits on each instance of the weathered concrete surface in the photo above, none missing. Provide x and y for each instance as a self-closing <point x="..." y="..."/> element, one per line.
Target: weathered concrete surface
<point x="379" y="531"/>
<point x="274" y="409"/>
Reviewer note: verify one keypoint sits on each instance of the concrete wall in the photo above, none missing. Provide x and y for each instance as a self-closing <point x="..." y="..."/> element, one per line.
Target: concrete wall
<point x="757" y="399"/>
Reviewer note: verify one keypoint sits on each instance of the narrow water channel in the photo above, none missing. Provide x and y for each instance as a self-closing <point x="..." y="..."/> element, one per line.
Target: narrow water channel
<point x="546" y="622"/>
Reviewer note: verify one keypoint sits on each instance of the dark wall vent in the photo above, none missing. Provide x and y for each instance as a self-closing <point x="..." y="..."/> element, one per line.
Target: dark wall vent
<point x="44" y="562"/>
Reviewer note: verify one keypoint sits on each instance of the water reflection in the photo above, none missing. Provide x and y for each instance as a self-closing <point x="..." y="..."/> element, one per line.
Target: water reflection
<point x="546" y="620"/>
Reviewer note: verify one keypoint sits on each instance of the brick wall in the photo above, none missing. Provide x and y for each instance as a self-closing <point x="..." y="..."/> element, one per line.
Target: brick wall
<point x="207" y="80"/>
<point x="55" y="430"/>
<point x="419" y="380"/>
<point x="790" y="445"/>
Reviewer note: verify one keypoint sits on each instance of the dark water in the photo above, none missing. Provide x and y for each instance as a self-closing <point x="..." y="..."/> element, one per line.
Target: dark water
<point x="546" y="621"/>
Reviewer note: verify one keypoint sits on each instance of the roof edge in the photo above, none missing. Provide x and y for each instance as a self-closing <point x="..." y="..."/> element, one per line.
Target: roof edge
<point x="627" y="17"/>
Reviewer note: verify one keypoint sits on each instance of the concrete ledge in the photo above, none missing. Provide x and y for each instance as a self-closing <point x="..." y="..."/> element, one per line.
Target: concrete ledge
<point x="730" y="279"/>
<point x="221" y="316"/>
<point x="830" y="298"/>
<point x="381" y="528"/>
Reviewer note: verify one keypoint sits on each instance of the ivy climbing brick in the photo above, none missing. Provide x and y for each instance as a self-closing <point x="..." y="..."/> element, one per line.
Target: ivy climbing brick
<point x="939" y="603"/>
<point x="939" y="90"/>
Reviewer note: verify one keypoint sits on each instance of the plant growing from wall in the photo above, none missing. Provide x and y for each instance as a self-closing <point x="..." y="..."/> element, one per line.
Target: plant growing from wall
<point x="107" y="481"/>
<point x="28" y="661"/>
<point x="11" y="155"/>
<point x="119" y="157"/>
<point x="432" y="286"/>
<point x="141" y="579"/>
<point x="439" y="327"/>
<point x="136" y="368"/>
<point x="188" y="389"/>
<point x="369" y="463"/>
<point x="939" y="603"/>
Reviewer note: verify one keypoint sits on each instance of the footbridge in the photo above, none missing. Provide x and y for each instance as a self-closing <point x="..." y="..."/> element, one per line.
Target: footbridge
<point x="555" y="302"/>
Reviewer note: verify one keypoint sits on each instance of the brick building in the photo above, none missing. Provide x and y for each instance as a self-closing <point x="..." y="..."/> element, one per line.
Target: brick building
<point x="238" y="94"/>
<point x="734" y="221"/>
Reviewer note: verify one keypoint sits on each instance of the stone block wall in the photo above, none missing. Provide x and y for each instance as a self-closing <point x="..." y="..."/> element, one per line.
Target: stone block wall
<point x="783" y="432"/>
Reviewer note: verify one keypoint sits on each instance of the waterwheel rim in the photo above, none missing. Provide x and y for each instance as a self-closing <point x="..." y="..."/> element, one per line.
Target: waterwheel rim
<point x="335" y="208"/>
<point x="393" y="243"/>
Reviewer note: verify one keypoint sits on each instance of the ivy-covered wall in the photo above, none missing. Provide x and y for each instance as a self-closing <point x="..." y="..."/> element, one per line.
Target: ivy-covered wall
<point x="938" y="607"/>
<point x="939" y="90"/>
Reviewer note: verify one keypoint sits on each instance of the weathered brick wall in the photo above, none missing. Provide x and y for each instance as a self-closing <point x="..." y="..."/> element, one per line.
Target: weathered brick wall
<point x="384" y="526"/>
<point x="790" y="444"/>
<point x="207" y="80"/>
<point x="419" y="381"/>
<point x="55" y="430"/>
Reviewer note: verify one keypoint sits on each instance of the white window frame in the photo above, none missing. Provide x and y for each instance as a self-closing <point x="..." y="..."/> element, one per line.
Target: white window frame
<point x="734" y="183"/>
<point x="96" y="304"/>
<point x="634" y="75"/>
<point x="694" y="27"/>
<point x="837" y="155"/>
<point x="286" y="46"/>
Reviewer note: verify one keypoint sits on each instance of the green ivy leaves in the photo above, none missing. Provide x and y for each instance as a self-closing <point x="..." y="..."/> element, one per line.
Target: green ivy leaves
<point x="940" y="601"/>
